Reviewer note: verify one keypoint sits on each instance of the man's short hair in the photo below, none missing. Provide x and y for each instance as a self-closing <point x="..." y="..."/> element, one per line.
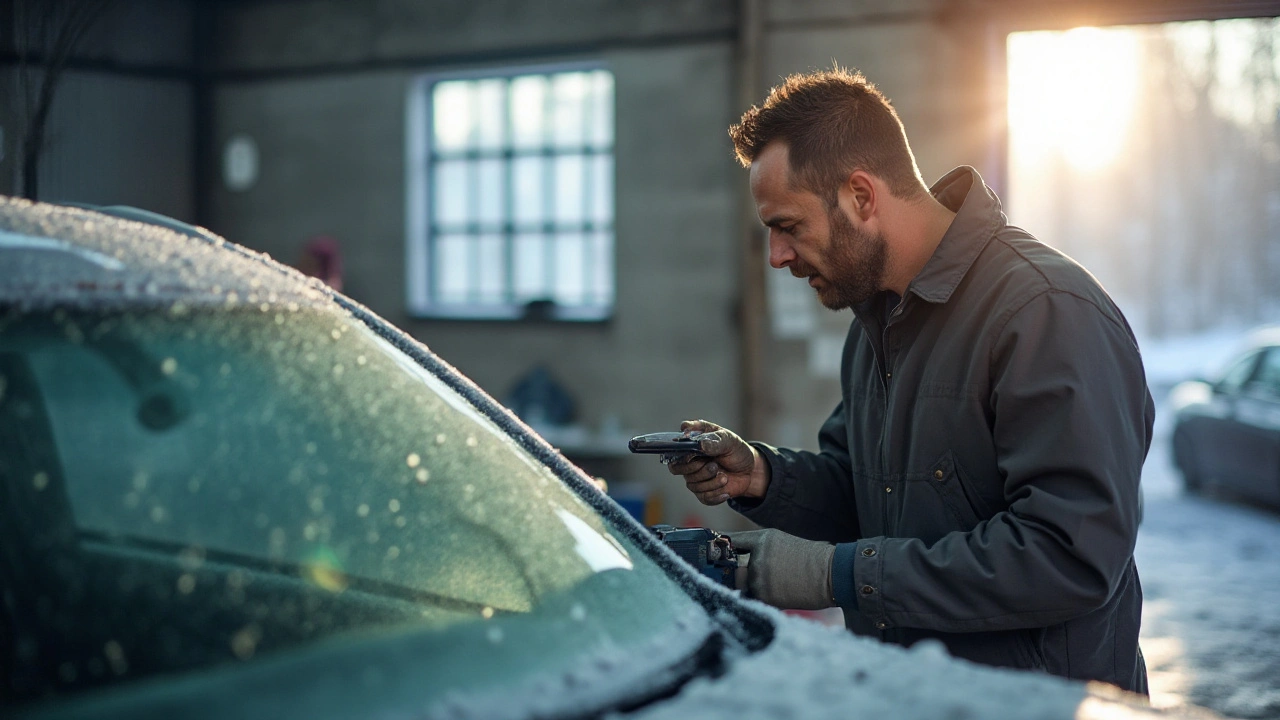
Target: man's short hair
<point x="833" y="122"/>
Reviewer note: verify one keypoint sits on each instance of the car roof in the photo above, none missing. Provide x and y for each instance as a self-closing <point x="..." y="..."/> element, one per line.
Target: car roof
<point x="1265" y="336"/>
<point x="65" y="255"/>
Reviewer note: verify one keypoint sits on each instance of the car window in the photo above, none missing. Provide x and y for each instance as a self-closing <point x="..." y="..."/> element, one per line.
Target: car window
<point x="1238" y="373"/>
<point x="197" y="486"/>
<point x="1267" y="378"/>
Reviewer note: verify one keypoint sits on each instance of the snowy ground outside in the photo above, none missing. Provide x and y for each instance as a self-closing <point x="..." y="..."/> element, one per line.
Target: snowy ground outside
<point x="1210" y="572"/>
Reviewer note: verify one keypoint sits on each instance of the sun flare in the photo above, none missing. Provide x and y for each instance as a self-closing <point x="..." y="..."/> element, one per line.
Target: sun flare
<point x="1072" y="93"/>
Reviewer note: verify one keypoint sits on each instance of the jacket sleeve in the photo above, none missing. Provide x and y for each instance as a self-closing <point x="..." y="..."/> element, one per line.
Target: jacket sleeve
<point x="810" y="494"/>
<point x="1071" y="422"/>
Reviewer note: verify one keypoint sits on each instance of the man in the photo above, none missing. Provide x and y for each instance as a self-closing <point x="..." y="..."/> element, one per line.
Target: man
<point x="978" y="481"/>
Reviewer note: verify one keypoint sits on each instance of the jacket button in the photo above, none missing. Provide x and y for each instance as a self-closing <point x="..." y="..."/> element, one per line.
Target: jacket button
<point x="888" y="489"/>
<point x="882" y="625"/>
<point x="869" y="552"/>
<point x="867" y="590"/>
<point x="937" y="474"/>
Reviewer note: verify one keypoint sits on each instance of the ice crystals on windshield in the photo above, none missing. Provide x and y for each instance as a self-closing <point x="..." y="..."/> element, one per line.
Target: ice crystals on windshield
<point x="245" y="641"/>
<point x="9" y="240"/>
<point x="115" y="657"/>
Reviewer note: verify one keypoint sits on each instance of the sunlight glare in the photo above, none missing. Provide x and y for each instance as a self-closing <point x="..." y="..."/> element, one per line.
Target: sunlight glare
<point x="1072" y="93"/>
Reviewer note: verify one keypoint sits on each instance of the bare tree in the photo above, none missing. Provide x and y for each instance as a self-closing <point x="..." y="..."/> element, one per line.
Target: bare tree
<point x="46" y="33"/>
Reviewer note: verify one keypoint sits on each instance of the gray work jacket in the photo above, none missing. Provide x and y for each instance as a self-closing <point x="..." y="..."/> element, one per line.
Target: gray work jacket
<point x="980" y="474"/>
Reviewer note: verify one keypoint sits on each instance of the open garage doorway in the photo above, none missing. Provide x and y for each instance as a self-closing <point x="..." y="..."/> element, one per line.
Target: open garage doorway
<point x="1151" y="154"/>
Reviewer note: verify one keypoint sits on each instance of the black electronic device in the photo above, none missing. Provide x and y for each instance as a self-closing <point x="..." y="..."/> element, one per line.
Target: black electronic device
<point x="670" y="445"/>
<point x="709" y="552"/>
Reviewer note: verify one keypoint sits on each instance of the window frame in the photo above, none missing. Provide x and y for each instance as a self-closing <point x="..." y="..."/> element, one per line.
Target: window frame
<point x="419" y="131"/>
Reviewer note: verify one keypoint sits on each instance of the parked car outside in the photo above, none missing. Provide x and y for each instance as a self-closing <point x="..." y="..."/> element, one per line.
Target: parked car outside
<point x="227" y="491"/>
<point x="1226" y="431"/>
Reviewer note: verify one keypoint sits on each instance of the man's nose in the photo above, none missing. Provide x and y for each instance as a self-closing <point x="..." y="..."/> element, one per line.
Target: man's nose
<point x="780" y="252"/>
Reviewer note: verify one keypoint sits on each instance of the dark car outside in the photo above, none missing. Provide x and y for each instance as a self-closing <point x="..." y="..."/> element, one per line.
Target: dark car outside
<point x="227" y="491"/>
<point x="1226" y="432"/>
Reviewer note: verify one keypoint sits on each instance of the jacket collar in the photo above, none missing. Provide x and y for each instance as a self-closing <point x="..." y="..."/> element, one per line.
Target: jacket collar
<point x="978" y="216"/>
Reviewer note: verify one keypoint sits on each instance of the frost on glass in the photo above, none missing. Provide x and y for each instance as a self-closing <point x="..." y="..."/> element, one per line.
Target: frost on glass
<point x="289" y="475"/>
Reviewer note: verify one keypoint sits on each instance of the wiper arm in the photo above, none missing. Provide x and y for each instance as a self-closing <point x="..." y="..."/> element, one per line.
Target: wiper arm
<point x="708" y="660"/>
<point x="292" y="569"/>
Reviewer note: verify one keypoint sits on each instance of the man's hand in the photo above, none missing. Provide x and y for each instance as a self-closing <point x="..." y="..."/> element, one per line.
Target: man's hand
<point x="786" y="571"/>
<point x="727" y="468"/>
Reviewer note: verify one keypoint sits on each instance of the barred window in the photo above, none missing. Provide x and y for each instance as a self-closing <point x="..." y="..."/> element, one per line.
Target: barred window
<point x="511" y="194"/>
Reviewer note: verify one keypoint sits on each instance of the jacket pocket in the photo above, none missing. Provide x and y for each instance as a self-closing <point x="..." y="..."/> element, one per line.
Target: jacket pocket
<point x="957" y="492"/>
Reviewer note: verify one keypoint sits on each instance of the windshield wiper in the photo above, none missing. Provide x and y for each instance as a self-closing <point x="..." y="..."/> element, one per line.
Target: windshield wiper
<point x="289" y="568"/>
<point x="708" y="660"/>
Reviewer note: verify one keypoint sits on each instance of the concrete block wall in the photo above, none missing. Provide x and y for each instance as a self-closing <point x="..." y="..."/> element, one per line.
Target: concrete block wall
<point x="121" y="129"/>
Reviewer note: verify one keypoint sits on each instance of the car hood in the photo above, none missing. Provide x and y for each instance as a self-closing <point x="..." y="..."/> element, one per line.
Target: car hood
<point x="815" y="671"/>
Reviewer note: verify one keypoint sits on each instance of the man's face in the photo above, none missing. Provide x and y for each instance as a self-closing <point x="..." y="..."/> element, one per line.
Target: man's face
<point x="845" y="264"/>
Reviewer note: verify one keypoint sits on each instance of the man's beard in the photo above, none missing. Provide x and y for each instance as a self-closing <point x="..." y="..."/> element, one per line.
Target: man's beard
<point x="854" y="266"/>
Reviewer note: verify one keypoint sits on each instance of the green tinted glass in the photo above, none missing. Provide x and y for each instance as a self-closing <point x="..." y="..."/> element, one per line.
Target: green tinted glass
<point x="251" y="479"/>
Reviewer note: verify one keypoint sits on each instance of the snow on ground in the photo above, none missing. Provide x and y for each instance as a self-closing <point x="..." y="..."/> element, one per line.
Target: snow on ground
<point x="1172" y="360"/>
<point x="1210" y="572"/>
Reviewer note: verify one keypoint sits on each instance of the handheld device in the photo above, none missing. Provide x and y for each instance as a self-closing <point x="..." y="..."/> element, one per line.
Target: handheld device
<point x="709" y="552"/>
<point x="670" y="445"/>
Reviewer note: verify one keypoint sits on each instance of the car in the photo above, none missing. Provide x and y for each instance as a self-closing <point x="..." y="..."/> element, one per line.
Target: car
<point x="231" y="492"/>
<point x="1226" y="432"/>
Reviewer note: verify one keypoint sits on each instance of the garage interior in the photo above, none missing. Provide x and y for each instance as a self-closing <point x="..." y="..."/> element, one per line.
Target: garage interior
<point x="291" y="125"/>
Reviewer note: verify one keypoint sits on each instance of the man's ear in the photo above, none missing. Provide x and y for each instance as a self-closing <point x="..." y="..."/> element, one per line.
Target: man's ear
<point x="859" y="195"/>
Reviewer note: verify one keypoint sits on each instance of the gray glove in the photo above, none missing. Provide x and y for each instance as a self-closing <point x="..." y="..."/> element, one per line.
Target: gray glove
<point x="786" y="571"/>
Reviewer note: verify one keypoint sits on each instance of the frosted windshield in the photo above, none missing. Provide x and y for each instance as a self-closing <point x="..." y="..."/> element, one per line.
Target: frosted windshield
<point x="266" y="477"/>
